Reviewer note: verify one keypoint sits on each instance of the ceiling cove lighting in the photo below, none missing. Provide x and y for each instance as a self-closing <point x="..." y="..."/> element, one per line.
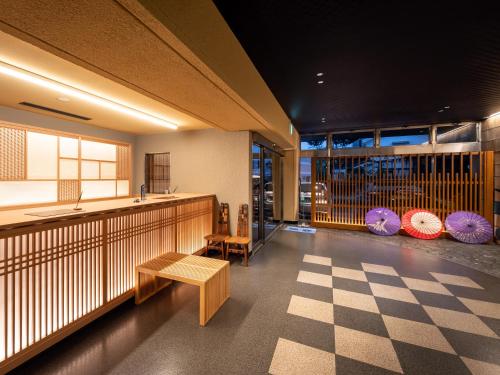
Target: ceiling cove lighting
<point x="494" y="114"/>
<point x="60" y="88"/>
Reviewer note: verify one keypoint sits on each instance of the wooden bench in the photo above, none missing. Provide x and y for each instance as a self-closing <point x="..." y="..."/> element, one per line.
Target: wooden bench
<point x="211" y="275"/>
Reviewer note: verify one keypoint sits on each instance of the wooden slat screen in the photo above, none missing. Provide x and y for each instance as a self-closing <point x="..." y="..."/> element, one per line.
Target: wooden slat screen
<point x="157" y="167"/>
<point x="56" y="277"/>
<point x="346" y="187"/>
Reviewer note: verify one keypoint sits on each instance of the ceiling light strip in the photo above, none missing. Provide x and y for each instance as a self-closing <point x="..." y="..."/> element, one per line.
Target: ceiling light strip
<point x="64" y="89"/>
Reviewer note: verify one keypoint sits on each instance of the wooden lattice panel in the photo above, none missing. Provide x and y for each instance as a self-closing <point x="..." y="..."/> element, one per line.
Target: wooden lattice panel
<point x="344" y="188"/>
<point x="58" y="275"/>
<point x="122" y="162"/>
<point x="69" y="190"/>
<point x="50" y="277"/>
<point x="12" y="154"/>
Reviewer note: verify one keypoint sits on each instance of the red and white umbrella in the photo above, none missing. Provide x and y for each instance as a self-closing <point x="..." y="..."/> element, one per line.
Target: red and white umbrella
<point x="422" y="224"/>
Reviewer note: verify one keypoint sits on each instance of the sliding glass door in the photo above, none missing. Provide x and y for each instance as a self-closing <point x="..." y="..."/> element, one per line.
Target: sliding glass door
<point x="266" y="192"/>
<point x="256" y="194"/>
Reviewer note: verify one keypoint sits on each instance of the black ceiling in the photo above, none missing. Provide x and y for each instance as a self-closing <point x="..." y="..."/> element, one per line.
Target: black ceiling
<point x="385" y="63"/>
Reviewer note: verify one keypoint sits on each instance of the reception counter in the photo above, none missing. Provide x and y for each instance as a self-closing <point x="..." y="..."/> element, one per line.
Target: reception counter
<point x="59" y="273"/>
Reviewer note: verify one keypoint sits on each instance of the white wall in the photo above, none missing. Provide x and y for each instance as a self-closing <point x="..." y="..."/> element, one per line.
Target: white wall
<point x="203" y="161"/>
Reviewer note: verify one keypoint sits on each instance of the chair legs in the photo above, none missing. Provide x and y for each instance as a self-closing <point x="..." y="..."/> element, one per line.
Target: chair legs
<point x="213" y="245"/>
<point x="243" y="251"/>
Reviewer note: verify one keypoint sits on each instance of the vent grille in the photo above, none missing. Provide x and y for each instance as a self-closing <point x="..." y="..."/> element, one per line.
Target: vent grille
<point x="43" y="108"/>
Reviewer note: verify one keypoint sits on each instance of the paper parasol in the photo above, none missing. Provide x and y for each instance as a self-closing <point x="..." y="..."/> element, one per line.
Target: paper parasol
<point x="468" y="227"/>
<point x="382" y="221"/>
<point x="422" y="224"/>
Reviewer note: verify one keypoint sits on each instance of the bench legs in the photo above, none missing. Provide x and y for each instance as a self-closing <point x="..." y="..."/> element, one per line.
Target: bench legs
<point x="213" y="294"/>
<point x="157" y="286"/>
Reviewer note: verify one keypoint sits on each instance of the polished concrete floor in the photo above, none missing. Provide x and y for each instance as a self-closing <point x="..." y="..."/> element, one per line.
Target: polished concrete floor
<point x="332" y="302"/>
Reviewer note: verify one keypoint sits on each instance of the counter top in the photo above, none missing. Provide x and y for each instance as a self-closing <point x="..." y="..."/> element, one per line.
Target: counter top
<point x="10" y="219"/>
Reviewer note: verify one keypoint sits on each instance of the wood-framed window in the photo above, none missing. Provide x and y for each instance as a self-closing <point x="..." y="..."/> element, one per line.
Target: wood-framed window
<point x="157" y="170"/>
<point x="41" y="166"/>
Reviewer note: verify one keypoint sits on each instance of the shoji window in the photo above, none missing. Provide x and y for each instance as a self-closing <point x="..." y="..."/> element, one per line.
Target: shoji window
<point x="157" y="167"/>
<point x="40" y="167"/>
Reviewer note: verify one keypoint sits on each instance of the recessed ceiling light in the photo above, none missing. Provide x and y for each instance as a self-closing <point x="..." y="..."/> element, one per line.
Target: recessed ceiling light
<point x="319" y="74"/>
<point x="63" y="99"/>
<point x="321" y="82"/>
<point x="447" y="107"/>
<point x="441" y="110"/>
<point x="72" y="92"/>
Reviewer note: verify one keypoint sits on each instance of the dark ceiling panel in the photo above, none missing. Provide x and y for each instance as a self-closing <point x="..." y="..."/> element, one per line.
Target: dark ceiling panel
<point x="385" y="63"/>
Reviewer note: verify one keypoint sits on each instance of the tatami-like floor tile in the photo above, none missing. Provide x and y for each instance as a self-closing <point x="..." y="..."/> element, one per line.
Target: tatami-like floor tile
<point x="393" y="292"/>
<point x="481" y="368"/>
<point x="426" y="286"/>
<point x="354" y="300"/>
<point x="482" y="308"/>
<point x="347" y="273"/>
<point x="316" y="259"/>
<point x="455" y="280"/>
<point x="294" y="358"/>
<point x="315" y="278"/>
<point x="459" y="321"/>
<point x="378" y="268"/>
<point x="365" y="347"/>
<point x="416" y="333"/>
<point x="311" y="308"/>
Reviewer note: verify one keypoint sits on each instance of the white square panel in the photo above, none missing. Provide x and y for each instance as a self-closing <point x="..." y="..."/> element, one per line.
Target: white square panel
<point x="108" y="171"/>
<point x="98" y="151"/>
<point x="68" y="169"/>
<point x="41" y="156"/>
<point x="90" y="170"/>
<point x="98" y="189"/>
<point x="68" y="147"/>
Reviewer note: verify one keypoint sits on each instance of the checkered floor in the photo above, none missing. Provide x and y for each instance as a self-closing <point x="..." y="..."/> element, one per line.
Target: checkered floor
<point x="382" y="321"/>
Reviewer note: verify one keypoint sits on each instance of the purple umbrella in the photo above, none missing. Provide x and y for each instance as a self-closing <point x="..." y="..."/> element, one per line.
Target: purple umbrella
<point x="382" y="221"/>
<point x="468" y="227"/>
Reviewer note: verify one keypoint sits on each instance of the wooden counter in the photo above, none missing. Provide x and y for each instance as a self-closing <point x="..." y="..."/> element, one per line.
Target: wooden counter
<point x="18" y="218"/>
<point x="59" y="273"/>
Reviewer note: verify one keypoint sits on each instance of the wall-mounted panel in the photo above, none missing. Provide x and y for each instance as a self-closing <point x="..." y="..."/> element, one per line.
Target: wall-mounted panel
<point x="27" y="192"/>
<point x="123" y="162"/>
<point x="90" y="170"/>
<point x="68" y="169"/>
<point x="98" y="189"/>
<point x="68" y="147"/>
<point x="69" y="190"/>
<point x="41" y="156"/>
<point x="122" y="188"/>
<point x="98" y="151"/>
<point x="108" y="171"/>
<point x="12" y="154"/>
<point x="29" y="154"/>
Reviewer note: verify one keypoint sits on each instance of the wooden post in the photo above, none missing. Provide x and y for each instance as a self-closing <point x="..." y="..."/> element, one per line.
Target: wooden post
<point x="489" y="185"/>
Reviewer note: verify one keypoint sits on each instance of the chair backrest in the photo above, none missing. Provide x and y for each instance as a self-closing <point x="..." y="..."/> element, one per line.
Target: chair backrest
<point x="223" y="220"/>
<point x="242" y="230"/>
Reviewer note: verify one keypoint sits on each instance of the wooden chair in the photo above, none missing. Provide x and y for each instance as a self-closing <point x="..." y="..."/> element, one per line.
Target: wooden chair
<point x="239" y="244"/>
<point x="216" y="240"/>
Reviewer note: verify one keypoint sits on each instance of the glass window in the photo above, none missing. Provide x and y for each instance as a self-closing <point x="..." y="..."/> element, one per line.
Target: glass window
<point x="456" y="133"/>
<point x="404" y="137"/>
<point x="353" y="140"/>
<point x="313" y="142"/>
